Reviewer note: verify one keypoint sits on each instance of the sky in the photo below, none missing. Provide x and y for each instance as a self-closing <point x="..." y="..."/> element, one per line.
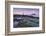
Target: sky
<point x="26" y="11"/>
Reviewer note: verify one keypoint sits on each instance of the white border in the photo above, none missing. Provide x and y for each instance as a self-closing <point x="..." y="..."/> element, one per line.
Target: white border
<point x="29" y="28"/>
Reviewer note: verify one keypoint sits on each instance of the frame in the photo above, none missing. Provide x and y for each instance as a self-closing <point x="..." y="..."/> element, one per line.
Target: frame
<point x="20" y="6"/>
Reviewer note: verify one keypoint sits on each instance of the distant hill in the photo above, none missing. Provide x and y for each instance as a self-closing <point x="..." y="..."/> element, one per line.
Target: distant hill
<point x="25" y="16"/>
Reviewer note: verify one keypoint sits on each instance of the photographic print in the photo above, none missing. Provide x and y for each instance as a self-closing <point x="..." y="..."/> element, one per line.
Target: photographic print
<point x="25" y="17"/>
